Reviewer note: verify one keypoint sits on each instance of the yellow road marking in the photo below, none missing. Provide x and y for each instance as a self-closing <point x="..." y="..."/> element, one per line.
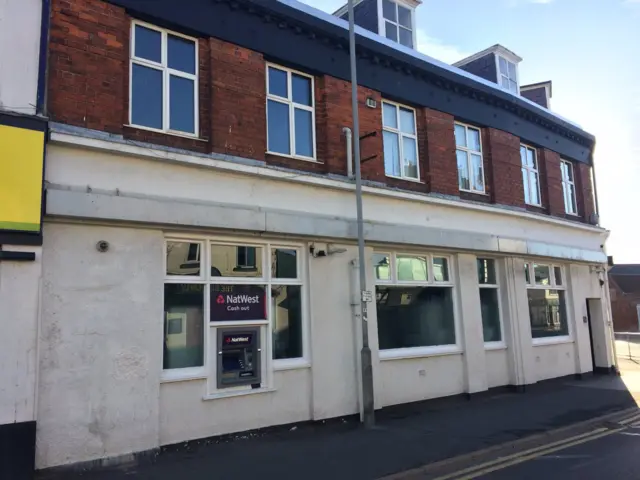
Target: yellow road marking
<point x="519" y="457"/>
<point x="520" y="454"/>
<point x="517" y="461"/>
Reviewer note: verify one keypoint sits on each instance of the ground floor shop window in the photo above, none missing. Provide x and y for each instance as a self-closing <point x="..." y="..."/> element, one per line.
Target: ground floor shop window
<point x="251" y="296"/>
<point x="547" y="300"/>
<point x="414" y="301"/>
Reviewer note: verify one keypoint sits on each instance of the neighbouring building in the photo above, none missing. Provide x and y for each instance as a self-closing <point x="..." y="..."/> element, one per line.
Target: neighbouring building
<point x="198" y="273"/>
<point x="22" y="142"/>
<point x="624" y="287"/>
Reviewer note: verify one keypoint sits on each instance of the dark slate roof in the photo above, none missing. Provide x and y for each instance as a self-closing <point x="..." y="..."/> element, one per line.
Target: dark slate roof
<point x="627" y="277"/>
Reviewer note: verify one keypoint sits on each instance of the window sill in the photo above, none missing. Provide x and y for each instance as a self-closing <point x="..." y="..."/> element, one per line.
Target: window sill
<point x="474" y="192"/>
<point x="419" y="352"/>
<point x="182" y="375"/>
<point x="293" y="157"/>
<point x="172" y="133"/>
<point x="491" y="346"/>
<point x="537" y="342"/>
<point x="405" y="179"/>
<point x="238" y="393"/>
<point x="290" y="364"/>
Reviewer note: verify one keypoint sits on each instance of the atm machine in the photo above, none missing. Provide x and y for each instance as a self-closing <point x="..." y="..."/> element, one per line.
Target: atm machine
<point x="239" y="357"/>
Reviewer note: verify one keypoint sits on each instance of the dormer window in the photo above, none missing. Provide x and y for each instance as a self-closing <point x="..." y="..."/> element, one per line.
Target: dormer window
<point x="397" y="23"/>
<point x="508" y="75"/>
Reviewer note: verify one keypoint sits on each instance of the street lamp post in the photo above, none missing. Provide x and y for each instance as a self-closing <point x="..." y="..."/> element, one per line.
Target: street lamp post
<point x="368" y="416"/>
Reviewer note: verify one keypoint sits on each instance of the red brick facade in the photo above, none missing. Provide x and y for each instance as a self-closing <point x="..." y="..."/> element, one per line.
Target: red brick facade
<point x="89" y="87"/>
<point x="624" y="308"/>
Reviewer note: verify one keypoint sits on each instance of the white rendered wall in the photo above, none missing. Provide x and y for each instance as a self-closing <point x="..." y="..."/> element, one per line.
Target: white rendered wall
<point x="497" y="368"/>
<point x="19" y="54"/>
<point x="184" y="415"/>
<point x="19" y="307"/>
<point x="101" y="343"/>
<point x="551" y="361"/>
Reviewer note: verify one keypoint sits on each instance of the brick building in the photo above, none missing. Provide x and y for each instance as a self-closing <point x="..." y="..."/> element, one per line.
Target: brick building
<point x="199" y="243"/>
<point x="624" y="287"/>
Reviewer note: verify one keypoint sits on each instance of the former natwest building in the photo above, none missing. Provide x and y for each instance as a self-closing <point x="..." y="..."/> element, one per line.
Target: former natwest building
<point x="199" y="269"/>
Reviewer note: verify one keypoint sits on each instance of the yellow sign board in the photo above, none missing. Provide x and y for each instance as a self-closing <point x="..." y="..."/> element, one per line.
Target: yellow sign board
<point x="21" y="164"/>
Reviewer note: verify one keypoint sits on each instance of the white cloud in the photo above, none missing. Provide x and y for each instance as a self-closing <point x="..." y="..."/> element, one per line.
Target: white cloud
<point x="439" y="50"/>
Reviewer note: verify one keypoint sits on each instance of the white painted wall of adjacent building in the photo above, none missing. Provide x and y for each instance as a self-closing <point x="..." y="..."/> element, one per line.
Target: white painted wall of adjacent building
<point x="19" y="54"/>
<point x="101" y="391"/>
<point x="19" y="310"/>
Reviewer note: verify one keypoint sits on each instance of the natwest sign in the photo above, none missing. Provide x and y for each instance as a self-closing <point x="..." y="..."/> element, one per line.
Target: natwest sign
<point x="238" y="302"/>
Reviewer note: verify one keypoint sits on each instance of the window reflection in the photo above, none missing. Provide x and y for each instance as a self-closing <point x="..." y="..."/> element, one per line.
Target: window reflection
<point x="183" y="258"/>
<point x="183" y="326"/>
<point x="236" y="261"/>
<point x="286" y="305"/>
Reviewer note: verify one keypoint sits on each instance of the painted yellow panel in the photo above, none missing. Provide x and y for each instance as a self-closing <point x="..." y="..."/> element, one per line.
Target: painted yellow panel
<point x="21" y="163"/>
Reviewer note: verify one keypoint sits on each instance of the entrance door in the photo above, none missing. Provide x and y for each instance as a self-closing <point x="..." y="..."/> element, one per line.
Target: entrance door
<point x="590" y="303"/>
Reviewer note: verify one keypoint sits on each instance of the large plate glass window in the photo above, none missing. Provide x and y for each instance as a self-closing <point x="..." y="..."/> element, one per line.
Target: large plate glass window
<point x="530" y="175"/>
<point x="164" y="80"/>
<point x="414" y="301"/>
<point x="469" y="158"/>
<point x="568" y="187"/>
<point x="290" y="113"/>
<point x="234" y="291"/>
<point x="400" y="141"/>
<point x="546" y="292"/>
<point x="489" y="300"/>
<point x="508" y="75"/>
<point x="398" y="23"/>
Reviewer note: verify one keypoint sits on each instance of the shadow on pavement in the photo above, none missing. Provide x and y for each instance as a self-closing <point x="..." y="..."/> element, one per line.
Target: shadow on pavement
<point x="405" y="437"/>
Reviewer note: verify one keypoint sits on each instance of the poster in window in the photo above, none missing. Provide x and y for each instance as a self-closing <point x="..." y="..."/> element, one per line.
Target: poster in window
<point x="238" y="303"/>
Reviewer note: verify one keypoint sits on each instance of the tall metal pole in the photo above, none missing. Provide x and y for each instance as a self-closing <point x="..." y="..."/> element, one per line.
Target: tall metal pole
<point x="368" y="416"/>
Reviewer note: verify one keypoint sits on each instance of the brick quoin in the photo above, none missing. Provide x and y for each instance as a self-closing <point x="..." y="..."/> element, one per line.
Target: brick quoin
<point x="503" y="155"/>
<point x="555" y="196"/>
<point x="440" y="146"/>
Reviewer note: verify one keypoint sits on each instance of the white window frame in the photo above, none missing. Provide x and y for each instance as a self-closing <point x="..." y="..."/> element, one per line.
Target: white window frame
<point x="269" y="365"/>
<point x="167" y="72"/>
<point x="401" y="136"/>
<point x="569" y="193"/>
<point x="382" y="22"/>
<point x="553" y="285"/>
<point x="502" y="344"/>
<point x="427" y="351"/>
<point x="535" y="170"/>
<point x="502" y="74"/>
<point x="292" y="107"/>
<point x="469" y="151"/>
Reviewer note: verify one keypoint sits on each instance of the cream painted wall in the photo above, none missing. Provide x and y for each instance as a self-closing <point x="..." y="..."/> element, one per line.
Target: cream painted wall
<point x="136" y="176"/>
<point x="100" y="343"/>
<point x="497" y="368"/>
<point x="415" y="379"/>
<point x="19" y="307"/>
<point x="334" y="351"/>
<point x="551" y="361"/>
<point x="184" y="415"/>
<point x="19" y="54"/>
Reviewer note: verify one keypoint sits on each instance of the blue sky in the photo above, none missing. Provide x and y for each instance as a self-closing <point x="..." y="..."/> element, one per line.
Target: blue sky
<point x="590" y="49"/>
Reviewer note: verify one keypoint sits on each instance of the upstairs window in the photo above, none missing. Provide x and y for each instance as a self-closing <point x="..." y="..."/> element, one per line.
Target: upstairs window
<point x="530" y="175"/>
<point x="568" y="188"/>
<point x="508" y="75"/>
<point x="398" y="23"/>
<point x="290" y="113"/>
<point x="400" y="141"/>
<point x="469" y="157"/>
<point x="163" y="80"/>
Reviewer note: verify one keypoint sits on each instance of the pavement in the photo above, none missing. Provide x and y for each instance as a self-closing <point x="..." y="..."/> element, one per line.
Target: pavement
<point x="405" y="438"/>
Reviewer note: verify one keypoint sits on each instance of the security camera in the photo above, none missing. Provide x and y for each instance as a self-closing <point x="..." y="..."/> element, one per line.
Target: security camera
<point x="102" y="246"/>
